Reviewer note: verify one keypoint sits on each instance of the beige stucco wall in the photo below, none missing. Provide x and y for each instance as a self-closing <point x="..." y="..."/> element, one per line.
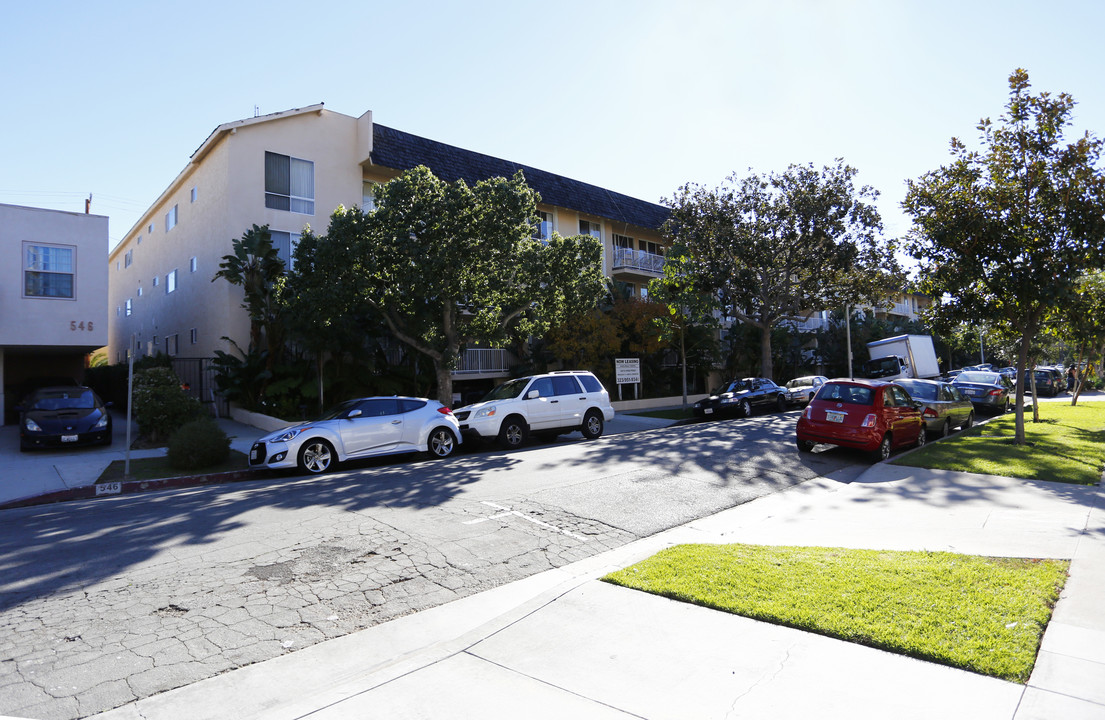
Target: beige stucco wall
<point x="53" y="322"/>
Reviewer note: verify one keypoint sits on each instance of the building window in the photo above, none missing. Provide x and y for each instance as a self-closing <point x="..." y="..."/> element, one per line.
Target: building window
<point x="368" y="196"/>
<point x="194" y="194"/>
<point x="118" y="311"/>
<point x="194" y="336"/>
<point x="192" y="264"/>
<point x="129" y="307"/>
<point x="652" y="248"/>
<point x="289" y="184"/>
<point x="171" y="342"/>
<point x="139" y="291"/>
<point x="285" y="244"/>
<point x="48" y="271"/>
<point x="150" y="229"/>
<point x="139" y="241"/>
<point x="543" y="231"/>
<point x="128" y="258"/>
<point x="586" y="227"/>
<point x="156" y="280"/>
<point x="170" y="219"/>
<point x="170" y="282"/>
<point x="623" y="241"/>
<point x="116" y="266"/>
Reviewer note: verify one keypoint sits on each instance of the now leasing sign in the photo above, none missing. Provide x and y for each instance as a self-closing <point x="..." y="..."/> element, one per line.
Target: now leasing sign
<point x="627" y="371"/>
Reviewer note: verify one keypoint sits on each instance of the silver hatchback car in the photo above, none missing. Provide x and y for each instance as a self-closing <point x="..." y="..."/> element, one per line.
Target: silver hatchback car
<point x="943" y="406"/>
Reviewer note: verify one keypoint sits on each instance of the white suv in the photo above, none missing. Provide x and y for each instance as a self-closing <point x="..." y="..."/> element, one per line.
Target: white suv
<point x="549" y="404"/>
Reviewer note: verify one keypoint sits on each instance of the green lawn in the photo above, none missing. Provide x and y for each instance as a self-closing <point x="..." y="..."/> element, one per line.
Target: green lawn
<point x="1068" y="445"/>
<point x="159" y="468"/>
<point x="980" y="614"/>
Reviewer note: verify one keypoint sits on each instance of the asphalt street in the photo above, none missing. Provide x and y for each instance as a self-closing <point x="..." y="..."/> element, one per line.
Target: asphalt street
<point x="108" y="601"/>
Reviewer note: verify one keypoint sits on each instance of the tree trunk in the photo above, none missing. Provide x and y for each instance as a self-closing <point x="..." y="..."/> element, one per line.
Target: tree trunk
<point x="683" y="355"/>
<point x="444" y="382"/>
<point x="766" y="370"/>
<point x="1022" y="364"/>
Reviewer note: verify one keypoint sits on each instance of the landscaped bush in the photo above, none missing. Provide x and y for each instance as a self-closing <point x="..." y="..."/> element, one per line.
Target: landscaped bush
<point x="161" y="405"/>
<point x="198" y="444"/>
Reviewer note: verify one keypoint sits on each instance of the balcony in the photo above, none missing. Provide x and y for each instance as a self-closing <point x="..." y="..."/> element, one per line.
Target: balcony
<point x="485" y="361"/>
<point x="639" y="261"/>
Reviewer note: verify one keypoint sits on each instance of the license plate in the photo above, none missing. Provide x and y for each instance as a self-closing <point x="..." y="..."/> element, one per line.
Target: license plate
<point x="708" y="411"/>
<point x="834" y="416"/>
<point x="974" y="392"/>
<point x="69" y="438"/>
<point x="253" y="454"/>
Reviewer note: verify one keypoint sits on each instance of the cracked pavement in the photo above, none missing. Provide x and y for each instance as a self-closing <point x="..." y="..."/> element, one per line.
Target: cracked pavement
<point x="105" y="602"/>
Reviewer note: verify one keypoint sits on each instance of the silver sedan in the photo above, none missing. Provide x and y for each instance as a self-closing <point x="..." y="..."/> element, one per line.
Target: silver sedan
<point x="943" y="406"/>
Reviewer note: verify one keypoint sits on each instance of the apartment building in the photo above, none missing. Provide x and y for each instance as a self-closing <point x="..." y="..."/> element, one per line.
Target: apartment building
<point x="53" y="296"/>
<point x="290" y="170"/>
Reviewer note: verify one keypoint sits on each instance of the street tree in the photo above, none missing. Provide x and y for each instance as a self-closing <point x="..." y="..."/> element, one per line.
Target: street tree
<point x="783" y="245"/>
<point x="255" y="266"/>
<point x="1004" y="233"/>
<point x="689" y="305"/>
<point x="1081" y="321"/>
<point x="446" y="266"/>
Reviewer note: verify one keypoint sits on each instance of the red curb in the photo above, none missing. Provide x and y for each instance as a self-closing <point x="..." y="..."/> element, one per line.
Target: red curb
<point x="130" y="487"/>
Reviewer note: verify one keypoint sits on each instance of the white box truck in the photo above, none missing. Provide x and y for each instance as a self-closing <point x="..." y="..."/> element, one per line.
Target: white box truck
<point x="902" y="356"/>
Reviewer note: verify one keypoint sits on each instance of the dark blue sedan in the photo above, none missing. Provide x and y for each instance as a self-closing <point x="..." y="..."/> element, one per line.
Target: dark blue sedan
<point x="63" y="417"/>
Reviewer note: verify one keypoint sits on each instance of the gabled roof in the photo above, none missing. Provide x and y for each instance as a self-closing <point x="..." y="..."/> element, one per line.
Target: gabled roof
<point x="402" y="151"/>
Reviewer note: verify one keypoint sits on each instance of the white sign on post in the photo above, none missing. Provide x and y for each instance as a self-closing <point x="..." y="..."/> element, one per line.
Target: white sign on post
<point x="627" y="371"/>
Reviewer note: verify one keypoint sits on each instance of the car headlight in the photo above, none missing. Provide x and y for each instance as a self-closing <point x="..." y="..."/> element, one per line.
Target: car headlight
<point x="486" y="412"/>
<point x="290" y="434"/>
<point x="101" y="423"/>
<point x="32" y="426"/>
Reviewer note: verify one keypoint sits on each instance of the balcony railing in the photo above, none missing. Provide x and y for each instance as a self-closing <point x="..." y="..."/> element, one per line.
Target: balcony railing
<point x="474" y="361"/>
<point x="628" y="259"/>
<point x="808" y="325"/>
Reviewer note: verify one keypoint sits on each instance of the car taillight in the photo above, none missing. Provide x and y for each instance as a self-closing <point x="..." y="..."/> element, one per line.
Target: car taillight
<point x="445" y="411"/>
<point x="995" y="393"/>
<point x="869" y="421"/>
<point x="929" y="413"/>
<point x="808" y="412"/>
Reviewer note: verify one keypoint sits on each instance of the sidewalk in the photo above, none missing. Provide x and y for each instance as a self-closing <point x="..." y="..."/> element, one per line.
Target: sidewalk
<point x="562" y="644"/>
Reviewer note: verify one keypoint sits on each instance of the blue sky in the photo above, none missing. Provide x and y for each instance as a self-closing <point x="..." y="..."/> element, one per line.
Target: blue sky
<point x="111" y="99"/>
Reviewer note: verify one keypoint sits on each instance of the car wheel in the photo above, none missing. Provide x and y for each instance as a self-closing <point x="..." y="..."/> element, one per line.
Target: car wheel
<point x="746" y="408"/>
<point x="441" y="443"/>
<point x="592" y="425"/>
<point x="922" y="437"/>
<point x="781" y="403"/>
<point x="1008" y="406"/>
<point x="513" y="432"/>
<point x="805" y="446"/>
<point x="946" y="428"/>
<point x="316" y="456"/>
<point x="969" y="422"/>
<point x="883" y="450"/>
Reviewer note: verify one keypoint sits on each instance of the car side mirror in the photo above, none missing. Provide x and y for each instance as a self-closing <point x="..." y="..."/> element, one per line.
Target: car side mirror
<point x="353" y="413"/>
<point x="532" y="394"/>
<point x="918" y="404"/>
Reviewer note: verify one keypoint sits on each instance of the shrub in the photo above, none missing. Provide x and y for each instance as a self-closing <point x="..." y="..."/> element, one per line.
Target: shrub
<point x="161" y="405"/>
<point x="198" y="444"/>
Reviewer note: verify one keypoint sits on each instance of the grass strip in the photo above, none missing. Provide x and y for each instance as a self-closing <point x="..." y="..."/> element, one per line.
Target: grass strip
<point x="1067" y="445"/>
<point x="158" y="468"/>
<point x="985" y="615"/>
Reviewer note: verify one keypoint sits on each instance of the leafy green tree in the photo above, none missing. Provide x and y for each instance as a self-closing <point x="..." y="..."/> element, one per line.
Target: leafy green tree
<point x="779" y="246"/>
<point x="445" y="266"/>
<point x="689" y="306"/>
<point x="1004" y="233"/>
<point x="1082" y="322"/>
<point x="161" y="405"/>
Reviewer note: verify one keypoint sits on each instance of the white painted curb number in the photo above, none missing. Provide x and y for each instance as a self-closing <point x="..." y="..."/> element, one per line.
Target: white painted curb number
<point x="109" y="488"/>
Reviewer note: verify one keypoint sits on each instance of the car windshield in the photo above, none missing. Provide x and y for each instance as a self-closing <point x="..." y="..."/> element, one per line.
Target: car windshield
<point x="983" y="378"/>
<point x="800" y="382"/>
<point x="338" y="410"/>
<point x="75" y="399"/>
<point x="919" y="390"/>
<point x="507" y="390"/>
<point x="882" y="367"/>
<point x="844" y="393"/>
<point x="735" y="386"/>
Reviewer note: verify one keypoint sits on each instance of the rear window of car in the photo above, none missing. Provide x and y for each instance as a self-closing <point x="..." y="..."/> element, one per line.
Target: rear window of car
<point x="843" y="393"/>
<point x="590" y="383"/>
<point x="979" y="377"/>
<point x="407" y="405"/>
<point x="921" y="391"/>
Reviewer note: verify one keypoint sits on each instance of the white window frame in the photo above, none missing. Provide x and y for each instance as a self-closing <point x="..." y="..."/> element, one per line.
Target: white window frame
<point x="170" y="281"/>
<point x="194" y="335"/>
<point x="130" y="307"/>
<point x="156" y="280"/>
<point x="195" y="193"/>
<point x="300" y="203"/>
<point x="35" y="261"/>
<point x="192" y="264"/>
<point x="171" y="218"/>
<point x="128" y="258"/>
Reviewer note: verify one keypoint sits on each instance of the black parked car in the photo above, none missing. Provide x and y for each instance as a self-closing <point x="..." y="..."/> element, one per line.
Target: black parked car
<point x="740" y="397"/>
<point x="61" y="416"/>
<point x="1049" y="381"/>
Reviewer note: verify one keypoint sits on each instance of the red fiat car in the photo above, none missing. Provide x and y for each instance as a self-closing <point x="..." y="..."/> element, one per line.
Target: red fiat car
<point x="869" y="415"/>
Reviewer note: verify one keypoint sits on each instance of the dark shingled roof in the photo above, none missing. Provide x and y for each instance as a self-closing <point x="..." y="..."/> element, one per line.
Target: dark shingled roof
<point x="402" y="151"/>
